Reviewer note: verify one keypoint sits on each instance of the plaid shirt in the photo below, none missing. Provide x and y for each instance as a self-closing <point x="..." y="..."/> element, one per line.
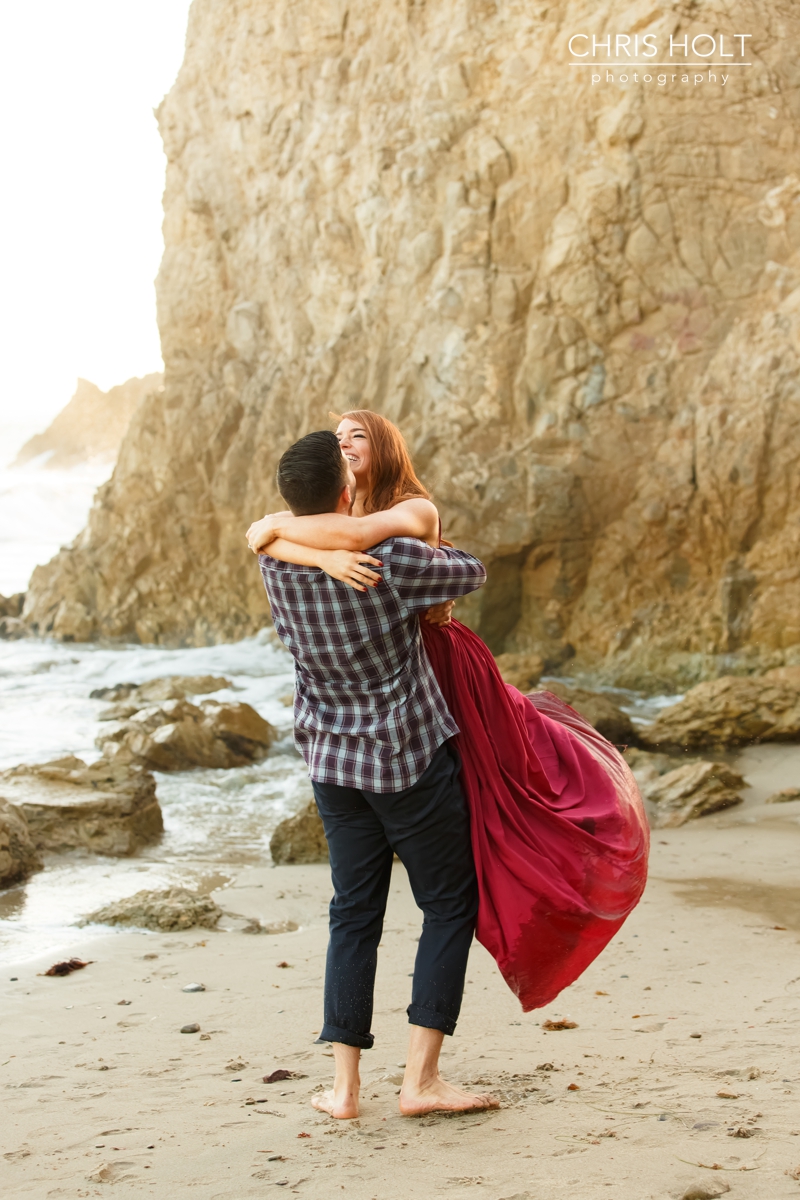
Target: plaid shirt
<point x="368" y="711"/>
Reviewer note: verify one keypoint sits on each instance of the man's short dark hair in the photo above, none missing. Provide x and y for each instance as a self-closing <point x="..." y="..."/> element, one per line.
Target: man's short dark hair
<point x="312" y="473"/>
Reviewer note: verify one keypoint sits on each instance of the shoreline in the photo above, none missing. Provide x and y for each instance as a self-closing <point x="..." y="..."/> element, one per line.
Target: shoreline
<point x="99" y="1091"/>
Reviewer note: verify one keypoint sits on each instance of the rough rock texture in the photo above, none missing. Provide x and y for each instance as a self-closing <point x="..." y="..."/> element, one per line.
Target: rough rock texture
<point x="175" y="908"/>
<point x="177" y="736"/>
<point x="128" y="698"/>
<point x="729" y="711"/>
<point x="18" y="856"/>
<point x="522" y="671"/>
<point x="692" y="791"/>
<point x="92" y="425"/>
<point x="784" y="796"/>
<point x="581" y="303"/>
<point x="106" y="808"/>
<point x="12" y="626"/>
<point x="599" y="710"/>
<point x="300" y="839"/>
<point x="647" y="766"/>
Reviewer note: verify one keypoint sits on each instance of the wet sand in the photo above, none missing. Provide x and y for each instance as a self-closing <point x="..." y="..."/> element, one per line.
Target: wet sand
<point x="97" y="1092"/>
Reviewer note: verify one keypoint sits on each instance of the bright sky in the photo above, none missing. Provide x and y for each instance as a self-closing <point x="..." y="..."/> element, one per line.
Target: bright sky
<point x="80" y="207"/>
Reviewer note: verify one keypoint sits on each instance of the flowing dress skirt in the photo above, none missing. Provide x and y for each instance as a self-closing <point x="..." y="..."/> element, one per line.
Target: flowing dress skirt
<point x="559" y="833"/>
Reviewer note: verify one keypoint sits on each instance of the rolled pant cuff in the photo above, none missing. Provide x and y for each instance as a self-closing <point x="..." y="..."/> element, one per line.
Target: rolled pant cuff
<point x="330" y="1033"/>
<point x="430" y="1019"/>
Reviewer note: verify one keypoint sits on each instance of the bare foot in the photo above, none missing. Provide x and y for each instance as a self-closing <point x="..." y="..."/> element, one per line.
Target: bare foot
<point x="438" y="1096"/>
<point x="342" y="1104"/>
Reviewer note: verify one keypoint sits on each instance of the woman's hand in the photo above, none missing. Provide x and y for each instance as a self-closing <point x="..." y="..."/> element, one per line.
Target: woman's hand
<point x="350" y="567"/>
<point x="262" y="532"/>
<point x="440" y="614"/>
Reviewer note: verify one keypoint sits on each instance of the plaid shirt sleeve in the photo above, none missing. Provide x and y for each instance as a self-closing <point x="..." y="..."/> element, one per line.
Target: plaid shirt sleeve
<point x="422" y="576"/>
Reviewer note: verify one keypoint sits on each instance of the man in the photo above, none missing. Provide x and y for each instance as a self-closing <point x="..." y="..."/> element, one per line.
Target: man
<point x="375" y="732"/>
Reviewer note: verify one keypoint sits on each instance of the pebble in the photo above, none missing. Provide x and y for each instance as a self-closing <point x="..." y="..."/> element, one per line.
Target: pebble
<point x="194" y="987"/>
<point x="193" y="1028"/>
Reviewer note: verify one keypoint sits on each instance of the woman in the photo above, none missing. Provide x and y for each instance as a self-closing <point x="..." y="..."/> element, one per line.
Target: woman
<point x="559" y="833"/>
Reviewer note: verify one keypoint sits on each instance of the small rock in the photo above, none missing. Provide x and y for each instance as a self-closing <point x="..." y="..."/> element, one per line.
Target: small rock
<point x="743" y="1131"/>
<point x="706" y="1190"/>
<point x="300" y="839"/>
<point x="193" y="1028"/>
<point x="725" y="1094"/>
<point x="693" y="791"/>
<point x="784" y="796"/>
<point x="563" y="1023"/>
<point x="236" y="1064"/>
<point x="205" y="1037"/>
<point x="695" y="1035"/>
<point x="175" y="908"/>
<point x="194" y="987"/>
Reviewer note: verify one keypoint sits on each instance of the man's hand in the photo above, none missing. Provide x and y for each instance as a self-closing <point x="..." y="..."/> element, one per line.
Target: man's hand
<point x="440" y="614"/>
<point x="262" y="532"/>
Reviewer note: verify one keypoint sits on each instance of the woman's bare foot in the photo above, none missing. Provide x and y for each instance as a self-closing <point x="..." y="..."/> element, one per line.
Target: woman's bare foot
<point x="438" y="1096"/>
<point x="343" y="1105"/>
<point x="342" y="1099"/>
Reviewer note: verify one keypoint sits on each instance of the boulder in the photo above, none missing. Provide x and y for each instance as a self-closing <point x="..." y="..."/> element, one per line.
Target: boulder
<point x="175" y="908"/>
<point x="729" y="711"/>
<point x="600" y="711"/>
<point x="784" y="796"/>
<point x="300" y="839"/>
<point x="18" y="856"/>
<point x="522" y="671"/>
<point x="166" y="687"/>
<point x="106" y="808"/>
<point x="178" y="735"/>
<point x="693" y="790"/>
<point x="647" y="766"/>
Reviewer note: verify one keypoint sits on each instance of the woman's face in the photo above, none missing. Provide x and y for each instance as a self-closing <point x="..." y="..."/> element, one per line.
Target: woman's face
<point x="354" y="442"/>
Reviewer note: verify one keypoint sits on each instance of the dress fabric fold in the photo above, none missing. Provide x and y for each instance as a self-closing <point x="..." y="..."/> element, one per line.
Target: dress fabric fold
<point x="559" y="833"/>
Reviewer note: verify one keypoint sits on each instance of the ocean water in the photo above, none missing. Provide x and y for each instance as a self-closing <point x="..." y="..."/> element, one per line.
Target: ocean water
<point x="40" y="509"/>
<point x="215" y="821"/>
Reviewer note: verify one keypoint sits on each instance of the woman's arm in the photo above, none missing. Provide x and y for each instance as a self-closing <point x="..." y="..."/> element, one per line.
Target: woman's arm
<point x="347" y="565"/>
<point x="417" y="518"/>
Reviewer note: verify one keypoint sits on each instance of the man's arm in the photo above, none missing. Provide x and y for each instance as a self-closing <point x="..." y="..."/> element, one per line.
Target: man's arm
<point x="422" y="575"/>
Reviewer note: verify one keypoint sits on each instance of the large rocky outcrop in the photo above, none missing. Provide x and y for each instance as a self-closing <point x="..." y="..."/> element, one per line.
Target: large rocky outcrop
<point x="580" y="301"/>
<point x="92" y="425"/>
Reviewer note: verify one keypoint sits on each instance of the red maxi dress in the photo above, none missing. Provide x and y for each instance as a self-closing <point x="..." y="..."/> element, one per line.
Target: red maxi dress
<point x="559" y="833"/>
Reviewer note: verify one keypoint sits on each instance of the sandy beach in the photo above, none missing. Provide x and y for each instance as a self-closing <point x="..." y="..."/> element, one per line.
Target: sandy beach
<point x="102" y="1094"/>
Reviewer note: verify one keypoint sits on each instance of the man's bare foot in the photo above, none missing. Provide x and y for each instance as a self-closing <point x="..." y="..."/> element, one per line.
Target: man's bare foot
<point x="438" y="1096"/>
<point x="342" y="1104"/>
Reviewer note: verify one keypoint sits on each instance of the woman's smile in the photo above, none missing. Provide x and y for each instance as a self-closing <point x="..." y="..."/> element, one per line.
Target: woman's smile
<point x="355" y="446"/>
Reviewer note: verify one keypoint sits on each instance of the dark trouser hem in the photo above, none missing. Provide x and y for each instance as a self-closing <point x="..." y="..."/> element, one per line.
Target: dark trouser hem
<point x="330" y="1033"/>
<point x="429" y="1019"/>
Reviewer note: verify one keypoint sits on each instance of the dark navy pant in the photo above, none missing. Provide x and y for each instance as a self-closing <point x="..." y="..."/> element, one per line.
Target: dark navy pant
<point x="427" y="826"/>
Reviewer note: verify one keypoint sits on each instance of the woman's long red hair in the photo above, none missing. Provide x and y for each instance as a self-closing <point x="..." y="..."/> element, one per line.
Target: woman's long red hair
<point x="392" y="477"/>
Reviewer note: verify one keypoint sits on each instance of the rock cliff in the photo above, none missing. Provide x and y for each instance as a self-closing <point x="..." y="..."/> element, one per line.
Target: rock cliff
<point x="580" y="301"/>
<point x="91" y="426"/>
